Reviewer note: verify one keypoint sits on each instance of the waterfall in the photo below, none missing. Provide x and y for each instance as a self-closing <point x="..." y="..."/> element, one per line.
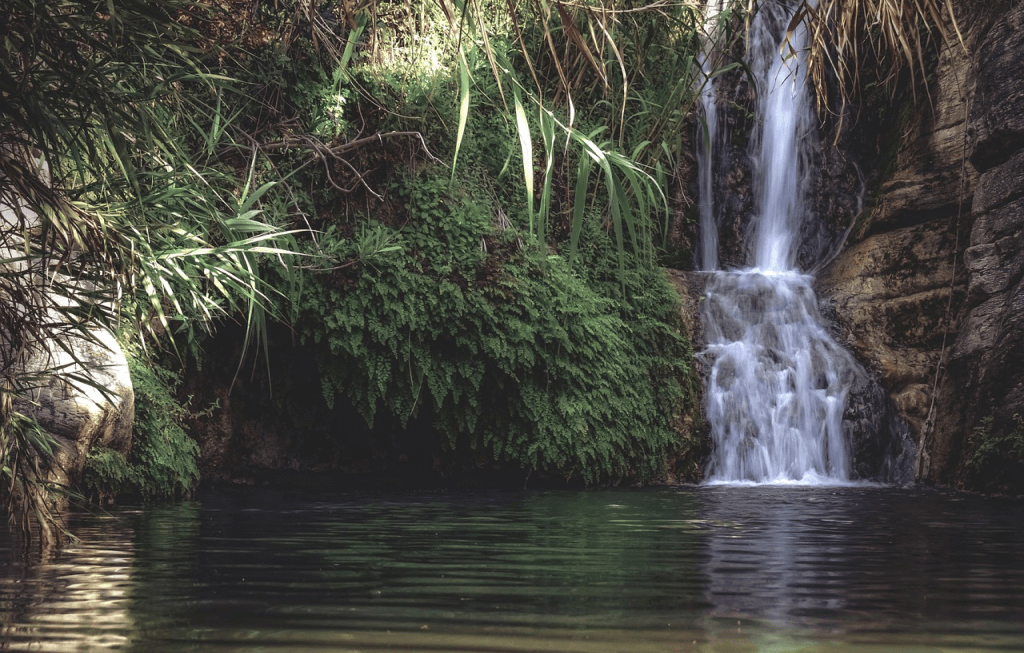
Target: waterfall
<point x="778" y="383"/>
<point x="708" y="255"/>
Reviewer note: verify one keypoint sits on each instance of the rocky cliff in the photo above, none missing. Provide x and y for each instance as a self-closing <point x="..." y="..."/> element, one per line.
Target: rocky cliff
<point x="927" y="291"/>
<point x="981" y="392"/>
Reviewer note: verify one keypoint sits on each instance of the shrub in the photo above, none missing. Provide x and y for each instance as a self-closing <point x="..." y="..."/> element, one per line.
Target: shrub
<point x="516" y="355"/>
<point x="162" y="461"/>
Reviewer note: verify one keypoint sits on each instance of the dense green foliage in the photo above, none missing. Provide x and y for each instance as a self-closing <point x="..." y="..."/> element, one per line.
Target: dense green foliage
<point x="110" y="191"/>
<point x="522" y="316"/>
<point x="994" y="457"/>
<point x="162" y="462"/>
<point x="513" y="353"/>
<point x="480" y="191"/>
<point x="463" y="261"/>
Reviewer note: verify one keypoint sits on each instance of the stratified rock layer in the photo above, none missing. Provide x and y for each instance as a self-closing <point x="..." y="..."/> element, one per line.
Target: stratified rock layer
<point x="929" y="290"/>
<point x="984" y="377"/>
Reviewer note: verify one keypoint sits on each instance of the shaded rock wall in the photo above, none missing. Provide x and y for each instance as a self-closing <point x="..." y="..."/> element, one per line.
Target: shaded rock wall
<point x="277" y="427"/>
<point x="928" y="291"/>
<point x="984" y="376"/>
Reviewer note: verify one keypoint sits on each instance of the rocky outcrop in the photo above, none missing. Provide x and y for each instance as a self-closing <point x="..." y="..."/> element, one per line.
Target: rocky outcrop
<point x="75" y="384"/>
<point x="928" y="291"/>
<point x="891" y="288"/>
<point x="90" y="402"/>
<point x="983" y="384"/>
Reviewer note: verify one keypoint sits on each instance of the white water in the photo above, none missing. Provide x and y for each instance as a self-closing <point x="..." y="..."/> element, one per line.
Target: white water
<point x="706" y="141"/>
<point x="779" y="384"/>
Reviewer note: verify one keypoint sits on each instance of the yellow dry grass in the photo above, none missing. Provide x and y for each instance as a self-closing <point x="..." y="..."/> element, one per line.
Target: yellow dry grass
<point x="896" y="33"/>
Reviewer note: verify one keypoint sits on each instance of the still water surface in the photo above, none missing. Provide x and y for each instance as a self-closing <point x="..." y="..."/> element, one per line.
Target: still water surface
<point x="671" y="569"/>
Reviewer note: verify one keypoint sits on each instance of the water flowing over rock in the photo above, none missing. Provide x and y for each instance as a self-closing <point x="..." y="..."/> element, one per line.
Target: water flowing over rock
<point x="708" y="136"/>
<point x="779" y="386"/>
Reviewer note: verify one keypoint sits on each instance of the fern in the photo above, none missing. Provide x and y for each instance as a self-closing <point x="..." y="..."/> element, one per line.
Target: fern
<point x="536" y="367"/>
<point x="162" y="462"/>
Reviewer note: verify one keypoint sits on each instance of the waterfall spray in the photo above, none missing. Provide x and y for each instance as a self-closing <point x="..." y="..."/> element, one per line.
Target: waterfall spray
<point x="778" y="384"/>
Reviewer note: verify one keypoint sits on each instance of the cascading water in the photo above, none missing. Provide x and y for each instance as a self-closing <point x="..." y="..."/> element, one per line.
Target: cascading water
<point x="708" y="136"/>
<point x="778" y="384"/>
<point x="705" y="206"/>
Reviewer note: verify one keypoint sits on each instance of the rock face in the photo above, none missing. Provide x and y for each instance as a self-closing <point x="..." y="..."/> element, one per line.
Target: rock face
<point x="926" y="284"/>
<point x="928" y="290"/>
<point x="78" y="414"/>
<point x="983" y="386"/>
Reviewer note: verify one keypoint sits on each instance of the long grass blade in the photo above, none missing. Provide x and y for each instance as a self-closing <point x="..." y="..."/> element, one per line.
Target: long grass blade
<point x="547" y="130"/>
<point x="579" y="205"/>
<point x="361" y="21"/>
<point x="526" y="145"/>
<point x="463" y="110"/>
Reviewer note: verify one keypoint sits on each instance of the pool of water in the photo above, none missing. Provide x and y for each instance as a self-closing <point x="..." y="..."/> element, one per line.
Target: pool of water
<point x="670" y="569"/>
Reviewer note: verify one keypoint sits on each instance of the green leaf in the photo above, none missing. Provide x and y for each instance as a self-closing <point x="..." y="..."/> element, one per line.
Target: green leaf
<point x="463" y="109"/>
<point x="526" y="144"/>
<point x="579" y="204"/>
<point x="361" y="21"/>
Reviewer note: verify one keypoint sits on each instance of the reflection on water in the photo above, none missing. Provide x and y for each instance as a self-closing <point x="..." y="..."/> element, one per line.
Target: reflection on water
<point x="673" y="569"/>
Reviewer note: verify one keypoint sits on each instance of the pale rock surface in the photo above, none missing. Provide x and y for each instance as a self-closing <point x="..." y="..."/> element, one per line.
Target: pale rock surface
<point x="80" y="415"/>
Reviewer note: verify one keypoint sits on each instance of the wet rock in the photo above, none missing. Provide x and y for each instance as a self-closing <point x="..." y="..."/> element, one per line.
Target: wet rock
<point x="890" y="294"/>
<point x="879" y="437"/>
<point x="899" y="284"/>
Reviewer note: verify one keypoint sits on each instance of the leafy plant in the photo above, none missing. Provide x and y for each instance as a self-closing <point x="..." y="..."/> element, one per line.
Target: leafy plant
<point x="162" y="461"/>
<point x="995" y="457"/>
<point x="515" y="356"/>
<point x="445" y="225"/>
<point x="27" y="453"/>
<point x="108" y="189"/>
<point x="841" y="35"/>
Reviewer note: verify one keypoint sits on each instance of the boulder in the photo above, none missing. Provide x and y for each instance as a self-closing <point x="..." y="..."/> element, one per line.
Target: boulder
<point x="79" y="388"/>
<point x="91" y="402"/>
